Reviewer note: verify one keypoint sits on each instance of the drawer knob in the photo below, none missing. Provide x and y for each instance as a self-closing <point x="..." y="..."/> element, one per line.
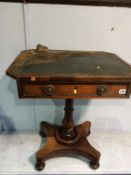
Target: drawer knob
<point x="101" y="90"/>
<point x="49" y="90"/>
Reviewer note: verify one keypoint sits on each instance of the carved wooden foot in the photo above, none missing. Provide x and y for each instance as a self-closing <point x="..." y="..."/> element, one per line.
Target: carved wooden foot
<point x="54" y="147"/>
<point x="40" y="164"/>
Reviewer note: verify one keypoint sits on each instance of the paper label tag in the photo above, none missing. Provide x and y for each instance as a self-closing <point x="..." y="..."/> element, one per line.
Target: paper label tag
<point x="122" y="91"/>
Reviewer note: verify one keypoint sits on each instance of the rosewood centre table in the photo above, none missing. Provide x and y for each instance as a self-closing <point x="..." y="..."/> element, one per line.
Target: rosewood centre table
<point x="44" y="73"/>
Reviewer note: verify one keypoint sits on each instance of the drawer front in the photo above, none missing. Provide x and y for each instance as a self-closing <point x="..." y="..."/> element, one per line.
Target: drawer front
<point x="73" y="90"/>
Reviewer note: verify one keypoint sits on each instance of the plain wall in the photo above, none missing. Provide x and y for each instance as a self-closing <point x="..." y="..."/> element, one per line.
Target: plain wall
<point x="61" y="27"/>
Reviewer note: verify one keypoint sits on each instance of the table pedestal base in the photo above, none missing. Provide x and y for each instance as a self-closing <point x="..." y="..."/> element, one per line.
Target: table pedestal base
<point x="54" y="148"/>
<point x="66" y="139"/>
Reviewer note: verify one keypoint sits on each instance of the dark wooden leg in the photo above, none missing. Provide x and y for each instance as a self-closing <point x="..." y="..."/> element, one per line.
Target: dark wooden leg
<point x="66" y="139"/>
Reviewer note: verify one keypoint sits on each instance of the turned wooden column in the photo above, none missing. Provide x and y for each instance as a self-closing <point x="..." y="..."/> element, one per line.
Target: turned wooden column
<point x="67" y="132"/>
<point x="68" y="122"/>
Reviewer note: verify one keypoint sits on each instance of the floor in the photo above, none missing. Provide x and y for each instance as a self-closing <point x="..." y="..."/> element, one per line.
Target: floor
<point x="17" y="155"/>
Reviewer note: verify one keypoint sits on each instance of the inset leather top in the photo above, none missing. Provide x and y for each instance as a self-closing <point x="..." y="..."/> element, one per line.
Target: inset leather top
<point x="59" y="65"/>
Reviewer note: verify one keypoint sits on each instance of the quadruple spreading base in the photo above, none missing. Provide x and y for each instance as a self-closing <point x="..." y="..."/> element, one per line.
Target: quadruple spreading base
<point x="66" y="139"/>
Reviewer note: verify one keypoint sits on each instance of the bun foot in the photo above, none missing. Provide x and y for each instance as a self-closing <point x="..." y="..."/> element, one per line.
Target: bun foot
<point x="40" y="165"/>
<point x="94" y="165"/>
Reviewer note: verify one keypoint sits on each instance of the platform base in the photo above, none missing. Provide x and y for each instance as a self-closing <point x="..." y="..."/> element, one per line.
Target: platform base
<point x="54" y="146"/>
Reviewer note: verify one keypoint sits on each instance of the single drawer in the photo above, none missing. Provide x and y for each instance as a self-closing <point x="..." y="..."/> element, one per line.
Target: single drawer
<point x="72" y="90"/>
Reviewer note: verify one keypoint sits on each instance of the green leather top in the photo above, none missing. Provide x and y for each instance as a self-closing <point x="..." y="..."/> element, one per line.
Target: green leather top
<point x="53" y="63"/>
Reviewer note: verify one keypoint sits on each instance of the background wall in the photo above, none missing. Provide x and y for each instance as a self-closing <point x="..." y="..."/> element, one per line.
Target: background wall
<point x="61" y="27"/>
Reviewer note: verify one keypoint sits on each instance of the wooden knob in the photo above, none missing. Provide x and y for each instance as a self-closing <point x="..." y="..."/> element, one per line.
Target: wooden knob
<point x="49" y="90"/>
<point x="101" y="90"/>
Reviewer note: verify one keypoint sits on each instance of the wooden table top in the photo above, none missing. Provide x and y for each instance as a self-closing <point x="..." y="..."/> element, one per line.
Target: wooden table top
<point x="44" y="64"/>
